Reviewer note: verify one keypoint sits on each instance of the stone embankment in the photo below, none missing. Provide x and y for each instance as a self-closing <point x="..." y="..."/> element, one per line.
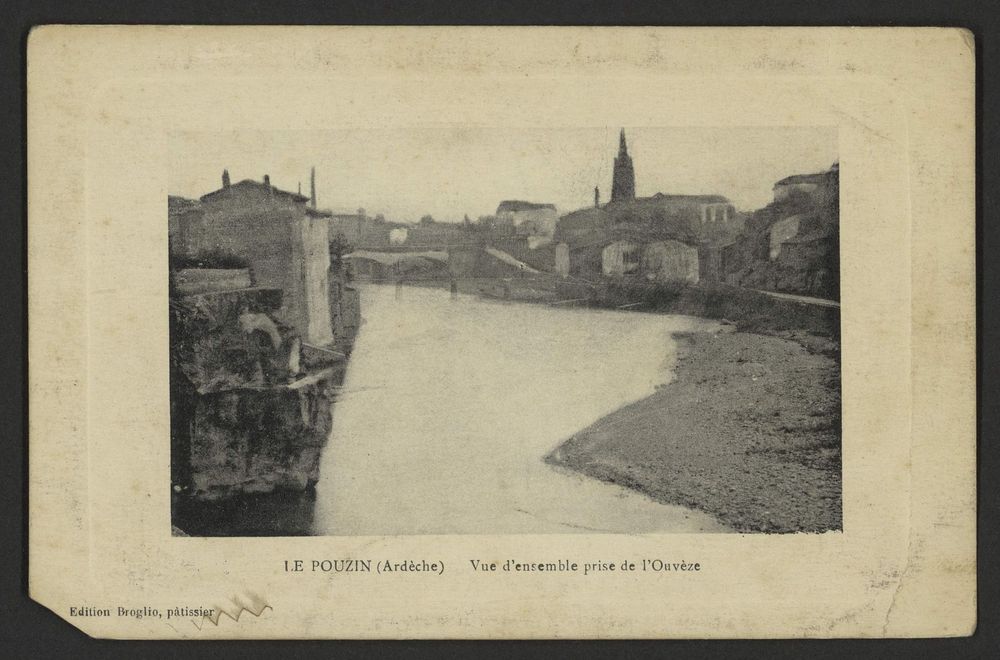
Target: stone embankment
<point x="250" y="405"/>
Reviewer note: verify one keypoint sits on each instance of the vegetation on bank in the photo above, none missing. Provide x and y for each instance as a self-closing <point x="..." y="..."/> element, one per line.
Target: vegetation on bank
<point x="213" y="258"/>
<point x="748" y="310"/>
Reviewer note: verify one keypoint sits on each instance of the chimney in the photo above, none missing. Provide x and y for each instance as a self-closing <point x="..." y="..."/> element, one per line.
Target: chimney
<point x="312" y="187"/>
<point x="300" y="187"/>
<point x="225" y="178"/>
<point x="597" y="197"/>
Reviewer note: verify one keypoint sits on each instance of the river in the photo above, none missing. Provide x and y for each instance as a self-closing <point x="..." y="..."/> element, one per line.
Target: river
<point x="450" y="405"/>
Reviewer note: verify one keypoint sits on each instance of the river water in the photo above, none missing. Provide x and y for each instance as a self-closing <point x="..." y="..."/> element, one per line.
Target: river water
<point x="450" y="405"/>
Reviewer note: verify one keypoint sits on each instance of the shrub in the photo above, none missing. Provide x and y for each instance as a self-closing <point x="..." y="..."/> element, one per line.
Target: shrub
<point x="213" y="258"/>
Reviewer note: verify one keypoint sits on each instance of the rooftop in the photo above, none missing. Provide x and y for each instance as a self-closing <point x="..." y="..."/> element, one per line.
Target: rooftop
<point x="515" y="205"/>
<point x="702" y="199"/>
<point x="818" y="177"/>
<point x="250" y="184"/>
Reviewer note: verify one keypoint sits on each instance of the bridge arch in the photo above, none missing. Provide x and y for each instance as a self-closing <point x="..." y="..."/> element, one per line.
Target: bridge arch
<point x="389" y="265"/>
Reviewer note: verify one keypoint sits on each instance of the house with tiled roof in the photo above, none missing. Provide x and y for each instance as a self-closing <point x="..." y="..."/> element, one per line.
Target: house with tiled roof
<point x="532" y="219"/>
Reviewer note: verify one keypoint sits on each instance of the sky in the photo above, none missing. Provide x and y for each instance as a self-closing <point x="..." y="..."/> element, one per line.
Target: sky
<point x="454" y="170"/>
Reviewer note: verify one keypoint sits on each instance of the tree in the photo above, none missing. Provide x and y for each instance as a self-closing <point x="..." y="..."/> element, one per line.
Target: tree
<point x="427" y="220"/>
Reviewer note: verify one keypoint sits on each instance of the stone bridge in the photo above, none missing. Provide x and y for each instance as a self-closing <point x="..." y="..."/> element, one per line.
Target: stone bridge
<point x="456" y="260"/>
<point x="395" y="258"/>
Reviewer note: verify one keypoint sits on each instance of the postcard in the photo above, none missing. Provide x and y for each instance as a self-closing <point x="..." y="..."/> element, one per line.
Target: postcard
<point x="386" y="332"/>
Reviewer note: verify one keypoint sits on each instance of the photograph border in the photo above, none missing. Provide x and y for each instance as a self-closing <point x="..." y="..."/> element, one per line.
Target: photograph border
<point x="28" y="625"/>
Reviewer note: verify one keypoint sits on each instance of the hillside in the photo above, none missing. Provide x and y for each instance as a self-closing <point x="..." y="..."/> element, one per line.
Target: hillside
<point x="807" y="262"/>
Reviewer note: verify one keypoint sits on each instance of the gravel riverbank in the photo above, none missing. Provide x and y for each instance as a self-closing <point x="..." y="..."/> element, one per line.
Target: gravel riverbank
<point x="748" y="431"/>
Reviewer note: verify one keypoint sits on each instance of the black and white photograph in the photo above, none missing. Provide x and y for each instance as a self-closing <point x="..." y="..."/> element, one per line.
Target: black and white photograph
<point x="496" y="332"/>
<point x="472" y="330"/>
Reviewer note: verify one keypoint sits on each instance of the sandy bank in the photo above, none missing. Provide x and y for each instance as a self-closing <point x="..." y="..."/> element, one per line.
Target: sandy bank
<point x="748" y="431"/>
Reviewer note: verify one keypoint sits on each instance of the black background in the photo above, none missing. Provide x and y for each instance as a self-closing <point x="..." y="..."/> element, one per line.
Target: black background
<point x="29" y="630"/>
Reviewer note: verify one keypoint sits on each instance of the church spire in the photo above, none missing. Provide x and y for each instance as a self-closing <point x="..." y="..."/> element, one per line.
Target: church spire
<point x="623" y="181"/>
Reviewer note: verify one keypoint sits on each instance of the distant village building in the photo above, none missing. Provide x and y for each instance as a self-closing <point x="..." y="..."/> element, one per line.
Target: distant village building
<point x="350" y="226"/>
<point x="683" y="217"/>
<point x="656" y="261"/>
<point x="670" y="261"/>
<point x="714" y="261"/>
<point x="792" y="245"/>
<point x="694" y="221"/>
<point x="562" y="260"/>
<point x="620" y="258"/>
<point x="528" y="218"/>
<point x="284" y="239"/>
<point x="818" y="186"/>
<point x="713" y="213"/>
<point x="660" y="238"/>
<point x="397" y="236"/>
<point x="782" y="231"/>
<point x="623" y="179"/>
<point x="436" y="235"/>
<point x="709" y="217"/>
<point x="818" y="190"/>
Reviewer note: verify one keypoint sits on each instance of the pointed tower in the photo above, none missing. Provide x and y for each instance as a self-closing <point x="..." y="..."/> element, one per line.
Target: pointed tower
<point x="225" y="178"/>
<point x="623" y="181"/>
<point x="312" y="187"/>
